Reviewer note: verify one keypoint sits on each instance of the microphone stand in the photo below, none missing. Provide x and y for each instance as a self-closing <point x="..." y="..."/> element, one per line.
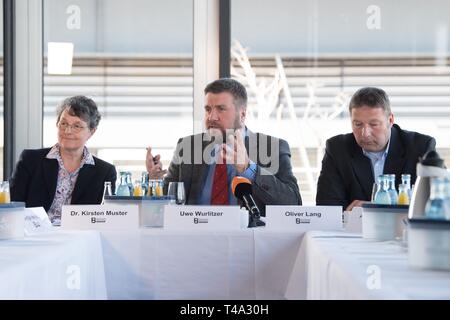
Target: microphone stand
<point x="254" y="214"/>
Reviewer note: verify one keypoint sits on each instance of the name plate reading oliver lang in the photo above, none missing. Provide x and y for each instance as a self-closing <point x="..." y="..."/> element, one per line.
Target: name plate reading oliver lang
<point x="304" y="218"/>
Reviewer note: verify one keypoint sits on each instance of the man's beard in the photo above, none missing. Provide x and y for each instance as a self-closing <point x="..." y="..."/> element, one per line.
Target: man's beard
<point x="220" y="134"/>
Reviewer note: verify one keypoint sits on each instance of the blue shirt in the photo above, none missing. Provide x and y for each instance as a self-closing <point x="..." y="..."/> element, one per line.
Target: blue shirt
<point x="377" y="159"/>
<point x="249" y="173"/>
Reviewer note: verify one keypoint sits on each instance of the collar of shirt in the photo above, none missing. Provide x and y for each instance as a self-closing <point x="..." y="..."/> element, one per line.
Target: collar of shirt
<point x="377" y="160"/>
<point x="377" y="156"/>
<point x="54" y="153"/>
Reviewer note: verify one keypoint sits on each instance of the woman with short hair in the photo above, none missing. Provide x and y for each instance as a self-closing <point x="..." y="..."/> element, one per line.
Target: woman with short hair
<point x="66" y="173"/>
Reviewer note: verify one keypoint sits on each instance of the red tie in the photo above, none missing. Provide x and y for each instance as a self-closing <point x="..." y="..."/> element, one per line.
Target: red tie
<point x="219" y="193"/>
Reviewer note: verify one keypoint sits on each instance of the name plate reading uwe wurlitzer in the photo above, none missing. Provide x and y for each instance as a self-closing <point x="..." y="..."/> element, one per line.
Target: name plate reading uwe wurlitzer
<point x="202" y="217"/>
<point x="100" y="217"/>
<point x="304" y="218"/>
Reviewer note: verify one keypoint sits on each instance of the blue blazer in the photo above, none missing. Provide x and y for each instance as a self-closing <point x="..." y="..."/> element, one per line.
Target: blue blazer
<point x="35" y="177"/>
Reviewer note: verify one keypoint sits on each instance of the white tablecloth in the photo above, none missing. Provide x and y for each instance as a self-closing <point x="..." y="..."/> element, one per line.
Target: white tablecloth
<point x="162" y="264"/>
<point x="248" y="264"/>
<point x="333" y="265"/>
<point x="57" y="265"/>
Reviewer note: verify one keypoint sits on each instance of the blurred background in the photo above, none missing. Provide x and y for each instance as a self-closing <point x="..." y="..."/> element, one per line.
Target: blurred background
<point x="300" y="60"/>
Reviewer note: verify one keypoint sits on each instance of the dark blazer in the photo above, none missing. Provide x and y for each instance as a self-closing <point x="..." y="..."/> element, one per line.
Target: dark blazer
<point x="347" y="173"/>
<point x="274" y="183"/>
<point x="35" y="177"/>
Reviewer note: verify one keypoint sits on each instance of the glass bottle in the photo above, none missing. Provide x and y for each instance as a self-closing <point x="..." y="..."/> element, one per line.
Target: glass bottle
<point x="123" y="189"/>
<point x="107" y="190"/>
<point x="151" y="186"/>
<point x="144" y="182"/>
<point x="129" y="181"/>
<point x="158" y="188"/>
<point x="137" y="189"/>
<point x="382" y="196"/>
<point x="434" y="208"/>
<point x="406" y="179"/>
<point x="4" y="192"/>
<point x="403" y="197"/>
<point x="392" y="191"/>
<point x="447" y="198"/>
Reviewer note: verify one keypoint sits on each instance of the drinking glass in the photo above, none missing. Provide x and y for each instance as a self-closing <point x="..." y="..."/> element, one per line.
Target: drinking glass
<point x="374" y="192"/>
<point x="176" y="192"/>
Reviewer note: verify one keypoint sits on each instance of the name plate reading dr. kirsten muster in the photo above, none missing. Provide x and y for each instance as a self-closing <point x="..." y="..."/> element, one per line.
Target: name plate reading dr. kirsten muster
<point x="100" y="217"/>
<point x="202" y="217"/>
<point x="304" y="218"/>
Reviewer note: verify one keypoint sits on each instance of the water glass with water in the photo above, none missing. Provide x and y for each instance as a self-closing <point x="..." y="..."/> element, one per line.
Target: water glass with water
<point x="177" y="193"/>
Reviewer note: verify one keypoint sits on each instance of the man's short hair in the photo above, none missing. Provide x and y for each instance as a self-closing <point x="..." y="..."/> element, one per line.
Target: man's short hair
<point x="232" y="86"/>
<point x="370" y="97"/>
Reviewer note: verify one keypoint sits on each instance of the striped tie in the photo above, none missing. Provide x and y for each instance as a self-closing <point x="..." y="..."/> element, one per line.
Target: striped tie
<point x="219" y="193"/>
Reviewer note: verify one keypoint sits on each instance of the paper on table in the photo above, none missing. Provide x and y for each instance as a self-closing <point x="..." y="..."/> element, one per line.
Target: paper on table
<point x="36" y="221"/>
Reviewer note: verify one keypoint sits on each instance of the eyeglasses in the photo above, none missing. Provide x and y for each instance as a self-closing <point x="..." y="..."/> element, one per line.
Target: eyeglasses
<point x="74" y="127"/>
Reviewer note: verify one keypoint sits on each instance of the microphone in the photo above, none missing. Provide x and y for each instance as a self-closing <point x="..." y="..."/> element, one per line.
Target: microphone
<point x="242" y="189"/>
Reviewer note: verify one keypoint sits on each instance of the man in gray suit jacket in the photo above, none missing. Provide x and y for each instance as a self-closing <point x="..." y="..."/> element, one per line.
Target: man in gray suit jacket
<point x="377" y="146"/>
<point x="228" y="144"/>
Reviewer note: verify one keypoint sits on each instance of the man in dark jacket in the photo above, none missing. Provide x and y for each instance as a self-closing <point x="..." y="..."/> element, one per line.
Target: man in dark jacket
<point x="208" y="162"/>
<point x="377" y="146"/>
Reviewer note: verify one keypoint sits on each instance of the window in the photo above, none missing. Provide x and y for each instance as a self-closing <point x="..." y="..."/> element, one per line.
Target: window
<point x="323" y="51"/>
<point x="135" y="61"/>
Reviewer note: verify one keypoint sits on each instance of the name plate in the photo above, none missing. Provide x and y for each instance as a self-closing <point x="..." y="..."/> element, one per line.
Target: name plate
<point x="304" y="218"/>
<point x="100" y="217"/>
<point x="202" y="217"/>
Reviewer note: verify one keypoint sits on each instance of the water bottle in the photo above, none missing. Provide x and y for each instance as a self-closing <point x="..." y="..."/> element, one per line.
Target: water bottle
<point x="123" y="189"/>
<point x="403" y="197"/>
<point x="144" y="182"/>
<point x="4" y="192"/>
<point x="107" y="190"/>
<point x="406" y="180"/>
<point x="137" y="189"/>
<point x="158" y="188"/>
<point x="392" y="191"/>
<point x="447" y="198"/>
<point x="151" y="185"/>
<point x="382" y="196"/>
<point x="129" y="181"/>
<point x="434" y="208"/>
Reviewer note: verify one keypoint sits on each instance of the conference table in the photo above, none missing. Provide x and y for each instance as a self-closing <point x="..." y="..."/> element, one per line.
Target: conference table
<point x="54" y="265"/>
<point x="163" y="264"/>
<point x="340" y="265"/>
<point x="153" y="263"/>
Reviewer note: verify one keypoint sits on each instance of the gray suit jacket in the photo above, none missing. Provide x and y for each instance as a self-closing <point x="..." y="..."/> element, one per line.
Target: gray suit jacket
<point x="274" y="184"/>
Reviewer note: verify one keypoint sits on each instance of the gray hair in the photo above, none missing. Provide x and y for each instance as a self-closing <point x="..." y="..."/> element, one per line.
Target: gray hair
<point x="370" y="97"/>
<point x="81" y="107"/>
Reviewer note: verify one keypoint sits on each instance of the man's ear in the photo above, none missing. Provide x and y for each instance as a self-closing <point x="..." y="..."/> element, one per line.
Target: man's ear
<point x="391" y="119"/>
<point x="243" y="115"/>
